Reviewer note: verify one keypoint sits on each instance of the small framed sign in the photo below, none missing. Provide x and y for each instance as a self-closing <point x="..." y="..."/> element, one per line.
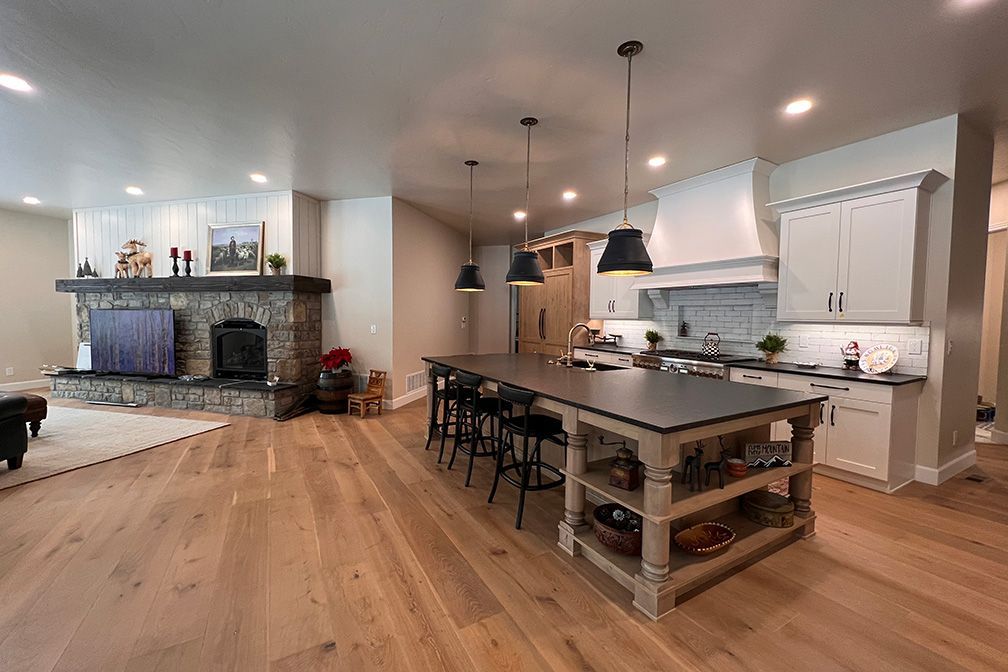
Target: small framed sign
<point x="769" y="454"/>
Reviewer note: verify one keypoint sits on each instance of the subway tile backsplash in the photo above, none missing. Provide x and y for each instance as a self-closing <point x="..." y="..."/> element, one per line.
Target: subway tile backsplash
<point x="741" y="315"/>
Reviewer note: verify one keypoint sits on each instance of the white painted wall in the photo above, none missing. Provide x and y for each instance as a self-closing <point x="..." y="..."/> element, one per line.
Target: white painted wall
<point x="491" y="308"/>
<point x="997" y="250"/>
<point x="292" y="229"/>
<point x="35" y="321"/>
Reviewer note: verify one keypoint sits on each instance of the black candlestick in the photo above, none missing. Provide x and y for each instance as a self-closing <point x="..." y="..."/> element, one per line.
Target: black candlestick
<point x="174" y="266"/>
<point x="188" y="269"/>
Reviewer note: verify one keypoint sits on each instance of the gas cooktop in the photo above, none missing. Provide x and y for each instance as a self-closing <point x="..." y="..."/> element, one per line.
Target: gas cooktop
<point x="694" y="356"/>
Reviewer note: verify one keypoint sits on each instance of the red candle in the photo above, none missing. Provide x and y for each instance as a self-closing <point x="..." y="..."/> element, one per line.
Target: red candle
<point x="174" y="252"/>
<point x="187" y="255"/>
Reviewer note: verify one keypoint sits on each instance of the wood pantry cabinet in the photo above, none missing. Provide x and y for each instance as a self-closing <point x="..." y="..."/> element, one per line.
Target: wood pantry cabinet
<point x="611" y="297"/>
<point x="858" y="253"/>
<point x="867" y="432"/>
<point x="547" y="312"/>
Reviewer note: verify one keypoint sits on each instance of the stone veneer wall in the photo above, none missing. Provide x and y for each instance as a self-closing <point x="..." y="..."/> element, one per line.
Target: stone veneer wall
<point x="293" y="322"/>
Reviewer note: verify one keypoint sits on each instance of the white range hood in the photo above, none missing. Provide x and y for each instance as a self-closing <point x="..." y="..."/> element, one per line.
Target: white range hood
<point x="714" y="229"/>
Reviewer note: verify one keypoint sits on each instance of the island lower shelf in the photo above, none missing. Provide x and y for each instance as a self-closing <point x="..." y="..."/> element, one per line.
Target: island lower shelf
<point x="686" y="571"/>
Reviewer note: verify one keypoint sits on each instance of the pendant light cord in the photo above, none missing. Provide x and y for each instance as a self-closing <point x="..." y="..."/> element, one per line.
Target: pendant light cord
<point x="472" y="167"/>
<point x="528" y="170"/>
<point x="626" y="154"/>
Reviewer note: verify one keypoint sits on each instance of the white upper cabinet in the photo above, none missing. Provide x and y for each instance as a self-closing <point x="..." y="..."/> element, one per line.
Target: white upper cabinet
<point x="611" y="297"/>
<point x="858" y="253"/>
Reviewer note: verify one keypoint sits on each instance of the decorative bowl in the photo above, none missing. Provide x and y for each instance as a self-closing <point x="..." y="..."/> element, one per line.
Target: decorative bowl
<point x="736" y="467"/>
<point x="609" y="518"/>
<point x="705" y="538"/>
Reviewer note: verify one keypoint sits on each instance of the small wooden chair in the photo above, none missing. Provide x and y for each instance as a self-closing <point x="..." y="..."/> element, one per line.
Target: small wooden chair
<point x="372" y="396"/>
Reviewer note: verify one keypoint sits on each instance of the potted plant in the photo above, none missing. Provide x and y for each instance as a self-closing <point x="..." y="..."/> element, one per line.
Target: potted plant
<point x="771" y="346"/>
<point x="652" y="337"/>
<point x="276" y="262"/>
<point x="335" y="382"/>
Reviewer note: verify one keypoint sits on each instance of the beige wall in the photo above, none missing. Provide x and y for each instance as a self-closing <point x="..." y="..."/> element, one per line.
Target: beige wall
<point x="357" y="258"/>
<point x="35" y="321"/>
<point x="990" y="342"/>
<point x="490" y="309"/>
<point x="428" y="316"/>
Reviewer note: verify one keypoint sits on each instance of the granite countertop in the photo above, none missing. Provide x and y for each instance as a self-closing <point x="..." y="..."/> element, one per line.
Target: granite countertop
<point x="832" y="372"/>
<point x="610" y="347"/>
<point x="654" y="400"/>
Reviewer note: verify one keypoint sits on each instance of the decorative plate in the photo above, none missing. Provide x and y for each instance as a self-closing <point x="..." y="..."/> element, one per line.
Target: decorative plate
<point x="807" y="365"/>
<point x="705" y="538"/>
<point x="879" y="358"/>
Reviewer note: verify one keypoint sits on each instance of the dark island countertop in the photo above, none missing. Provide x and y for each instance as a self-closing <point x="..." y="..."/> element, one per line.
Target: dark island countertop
<point x="655" y="400"/>
<point x="832" y="372"/>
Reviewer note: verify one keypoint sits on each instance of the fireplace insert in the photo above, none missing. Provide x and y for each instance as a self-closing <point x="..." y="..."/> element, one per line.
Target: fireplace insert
<point x="238" y="347"/>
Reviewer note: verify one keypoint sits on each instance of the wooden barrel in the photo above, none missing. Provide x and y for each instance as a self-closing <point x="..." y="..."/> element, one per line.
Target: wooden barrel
<point x="333" y="390"/>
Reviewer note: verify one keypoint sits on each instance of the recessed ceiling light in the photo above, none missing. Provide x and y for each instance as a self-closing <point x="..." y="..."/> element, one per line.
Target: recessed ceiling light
<point x="30" y="200"/>
<point x="258" y="178"/>
<point x="800" y="106"/>
<point x="134" y="191"/>
<point x="656" y="161"/>
<point x="14" y="83"/>
<point x="569" y="195"/>
<point x="519" y="215"/>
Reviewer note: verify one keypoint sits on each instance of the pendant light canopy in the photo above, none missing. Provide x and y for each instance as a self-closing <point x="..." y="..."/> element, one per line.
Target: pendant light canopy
<point x="625" y="253"/>
<point x="525" y="268"/>
<point x="469" y="278"/>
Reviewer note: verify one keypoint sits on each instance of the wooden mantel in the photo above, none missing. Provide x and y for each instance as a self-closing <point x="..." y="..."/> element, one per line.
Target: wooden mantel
<point x="208" y="283"/>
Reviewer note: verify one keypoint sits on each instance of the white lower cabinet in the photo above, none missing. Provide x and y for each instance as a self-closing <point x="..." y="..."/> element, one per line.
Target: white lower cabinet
<point x="866" y="433"/>
<point x="604" y="357"/>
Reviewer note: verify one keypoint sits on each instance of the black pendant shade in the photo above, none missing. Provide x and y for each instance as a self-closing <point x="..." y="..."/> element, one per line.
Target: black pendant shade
<point x="470" y="279"/>
<point x="525" y="269"/>
<point x="625" y="254"/>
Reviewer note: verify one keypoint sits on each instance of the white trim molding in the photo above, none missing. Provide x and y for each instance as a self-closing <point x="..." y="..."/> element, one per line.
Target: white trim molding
<point x="933" y="476"/>
<point x="408" y="398"/>
<point x="25" y="385"/>
<point x="925" y="180"/>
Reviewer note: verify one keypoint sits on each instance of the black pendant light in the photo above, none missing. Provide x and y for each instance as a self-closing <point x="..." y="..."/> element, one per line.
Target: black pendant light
<point x="525" y="263"/>
<point x="469" y="278"/>
<point x="625" y="253"/>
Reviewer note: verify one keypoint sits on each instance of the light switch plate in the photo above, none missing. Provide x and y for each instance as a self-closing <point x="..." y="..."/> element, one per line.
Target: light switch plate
<point x="9" y="371"/>
<point x="374" y="328"/>
<point x="803" y="341"/>
<point x="914" y="346"/>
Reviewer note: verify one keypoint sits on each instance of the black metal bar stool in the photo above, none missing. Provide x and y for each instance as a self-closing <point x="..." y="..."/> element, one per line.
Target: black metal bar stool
<point x="443" y="398"/>
<point x="518" y="420"/>
<point x="473" y="411"/>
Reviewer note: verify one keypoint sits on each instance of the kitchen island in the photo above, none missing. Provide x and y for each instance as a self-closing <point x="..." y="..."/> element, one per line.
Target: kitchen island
<point x="660" y="413"/>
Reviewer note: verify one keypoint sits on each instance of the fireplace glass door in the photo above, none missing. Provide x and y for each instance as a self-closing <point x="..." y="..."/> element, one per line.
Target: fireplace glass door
<point x="239" y="350"/>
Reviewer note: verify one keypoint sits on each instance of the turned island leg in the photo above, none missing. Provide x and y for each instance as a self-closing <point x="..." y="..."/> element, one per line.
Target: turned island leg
<point x="800" y="485"/>
<point x="574" y="493"/>
<point x="655" y="537"/>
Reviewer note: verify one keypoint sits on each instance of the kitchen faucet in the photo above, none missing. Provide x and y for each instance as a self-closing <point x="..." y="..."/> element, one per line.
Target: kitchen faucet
<point x="568" y="359"/>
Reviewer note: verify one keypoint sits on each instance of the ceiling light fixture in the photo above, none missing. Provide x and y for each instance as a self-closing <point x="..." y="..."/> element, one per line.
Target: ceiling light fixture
<point x="30" y="200"/>
<point x="519" y="215"/>
<point x="569" y="195"/>
<point x="258" y="178"/>
<point x="625" y="253"/>
<point x="525" y="268"/>
<point x="469" y="278"/>
<point x="134" y="191"/>
<point x="800" y="106"/>
<point x="656" y="161"/>
<point x="14" y="83"/>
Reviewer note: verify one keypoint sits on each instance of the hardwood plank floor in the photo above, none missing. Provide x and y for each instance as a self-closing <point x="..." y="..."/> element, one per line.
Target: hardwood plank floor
<point x="335" y="543"/>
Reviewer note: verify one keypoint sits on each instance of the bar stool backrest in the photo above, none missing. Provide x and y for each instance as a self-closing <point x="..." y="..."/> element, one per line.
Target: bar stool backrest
<point x="468" y="379"/>
<point x="441" y="371"/>
<point x="518" y="397"/>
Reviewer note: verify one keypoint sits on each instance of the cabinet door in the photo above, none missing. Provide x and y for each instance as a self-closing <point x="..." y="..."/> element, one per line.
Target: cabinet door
<point x="809" y="251"/>
<point x="600" y="288"/>
<point x="629" y="304"/>
<point x="859" y="436"/>
<point x="557" y="318"/>
<point x="531" y="303"/>
<point x="876" y="269"/>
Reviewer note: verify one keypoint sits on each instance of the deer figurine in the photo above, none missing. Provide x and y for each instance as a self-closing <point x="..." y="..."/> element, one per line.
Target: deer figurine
<point x="692" y="466"/>
<point x="122" y="266"/>
<point x="139" y="261"/>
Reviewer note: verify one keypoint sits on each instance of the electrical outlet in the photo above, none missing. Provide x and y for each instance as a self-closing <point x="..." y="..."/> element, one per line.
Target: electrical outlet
<point x="464" y="319"/>
<point x="374" y="328"/>
<point x="955" y="438"/>
<point x="914" y="346"/>
<point x="9" y="371"/>
<point x="803" y="341"/>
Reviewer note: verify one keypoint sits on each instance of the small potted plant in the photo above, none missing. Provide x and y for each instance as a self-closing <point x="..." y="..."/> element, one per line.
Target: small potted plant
<point x="652" y="337"/>
<point x="276" y="262"/>
<point x="335" y="382"/>
<point x="771" y="346"/>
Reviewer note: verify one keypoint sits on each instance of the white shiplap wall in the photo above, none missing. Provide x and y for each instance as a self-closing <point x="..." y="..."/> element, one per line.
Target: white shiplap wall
<point x="99" y="232"/>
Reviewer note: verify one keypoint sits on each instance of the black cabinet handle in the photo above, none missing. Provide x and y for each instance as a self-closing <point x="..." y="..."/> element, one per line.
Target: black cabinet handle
<point x="745" y="375"/>
<point x="840" y="303"/>
<point x="830" y="387"/>
<point x="542" y="323"/>
<point x="614" y="305"/>
<point x="829" y="303"/>
<point x="820" y="412"/>
<point x="832" y="411"/>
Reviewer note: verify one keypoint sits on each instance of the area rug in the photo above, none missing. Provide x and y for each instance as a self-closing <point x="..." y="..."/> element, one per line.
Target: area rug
<point x="72" y="438"/>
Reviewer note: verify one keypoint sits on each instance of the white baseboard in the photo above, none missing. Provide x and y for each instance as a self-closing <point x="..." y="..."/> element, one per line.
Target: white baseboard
<point x="997" y="436"/>
<point x="408" y="398"/>
<point x="24" y="385"/>
<point x="938" y="476"/>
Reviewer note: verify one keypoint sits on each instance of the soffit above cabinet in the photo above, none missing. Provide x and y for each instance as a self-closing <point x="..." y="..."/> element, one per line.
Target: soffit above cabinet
<point x="925" y="180"/>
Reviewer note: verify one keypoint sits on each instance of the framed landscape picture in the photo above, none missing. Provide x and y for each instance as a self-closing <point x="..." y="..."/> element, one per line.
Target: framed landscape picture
<point x="235" y="249"/>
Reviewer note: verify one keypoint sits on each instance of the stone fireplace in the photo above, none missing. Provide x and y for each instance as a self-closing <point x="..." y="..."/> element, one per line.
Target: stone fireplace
<point x="236" y="330"/>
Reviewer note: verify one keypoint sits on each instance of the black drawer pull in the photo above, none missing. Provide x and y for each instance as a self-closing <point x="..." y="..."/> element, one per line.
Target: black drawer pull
<point x="746" y="375"/>
<point x="829" y="303"/>
<point x="830" y="387"/>
<point x="840" y="303"/>
<point x="831" y="413"/>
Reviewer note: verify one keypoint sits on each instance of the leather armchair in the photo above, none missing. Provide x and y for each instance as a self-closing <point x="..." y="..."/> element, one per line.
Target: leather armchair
<point x="13" y="433"/>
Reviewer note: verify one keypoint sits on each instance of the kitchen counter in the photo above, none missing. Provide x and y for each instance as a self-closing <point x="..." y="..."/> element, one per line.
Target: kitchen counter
<point x="664" y="415"/>
<point x="832" y="372"/>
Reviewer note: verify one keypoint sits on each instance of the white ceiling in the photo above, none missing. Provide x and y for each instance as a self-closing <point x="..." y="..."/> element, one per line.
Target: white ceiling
<point x="371" y="97"/>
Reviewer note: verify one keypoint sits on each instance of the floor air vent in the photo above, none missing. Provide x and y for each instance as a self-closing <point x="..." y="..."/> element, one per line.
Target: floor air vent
<point x="976" y="478"/>
<point x="415" y="381"/>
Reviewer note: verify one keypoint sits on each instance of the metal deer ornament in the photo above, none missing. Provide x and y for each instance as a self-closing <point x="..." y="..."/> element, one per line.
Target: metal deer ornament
<point x="139" y="261"/>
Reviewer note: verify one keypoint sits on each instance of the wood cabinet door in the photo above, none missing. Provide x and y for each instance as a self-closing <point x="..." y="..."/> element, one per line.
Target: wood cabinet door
<point x="809" y="253"/>
<point x="600" y="292"/>
<point x="558" y="296"/>
<point x="531" y="309"/>
<point x="859" y="436"/>
<point x="876" y="264"/>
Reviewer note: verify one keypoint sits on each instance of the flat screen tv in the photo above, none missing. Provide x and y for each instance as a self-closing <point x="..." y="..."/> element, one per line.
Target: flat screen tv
<point x="126" y="340"/>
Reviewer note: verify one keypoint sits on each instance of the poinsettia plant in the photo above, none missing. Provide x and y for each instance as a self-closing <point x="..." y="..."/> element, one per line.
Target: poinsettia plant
<point x="336" y="358"/>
